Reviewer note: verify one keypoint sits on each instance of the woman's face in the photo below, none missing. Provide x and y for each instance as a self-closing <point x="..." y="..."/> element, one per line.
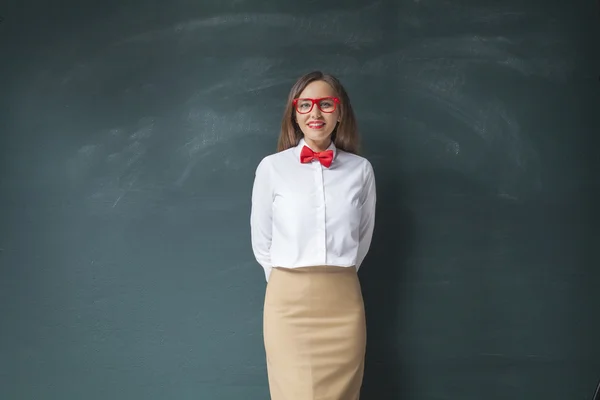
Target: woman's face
<point x="316" y="124"/>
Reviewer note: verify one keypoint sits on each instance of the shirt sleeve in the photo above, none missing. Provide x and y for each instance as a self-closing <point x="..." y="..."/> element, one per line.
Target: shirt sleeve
<point x="261" y="216"/>
<point x="367" y="216"/>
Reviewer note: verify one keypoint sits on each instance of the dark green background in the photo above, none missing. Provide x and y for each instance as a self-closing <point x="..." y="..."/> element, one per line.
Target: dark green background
<point x="130" y="132"/>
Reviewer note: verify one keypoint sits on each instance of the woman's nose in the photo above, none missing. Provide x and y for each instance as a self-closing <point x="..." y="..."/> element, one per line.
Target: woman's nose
<point x="315" y="112"/>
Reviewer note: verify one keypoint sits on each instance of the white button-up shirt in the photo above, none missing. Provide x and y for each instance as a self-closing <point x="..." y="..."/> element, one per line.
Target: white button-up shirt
<point x="306" y="214"/>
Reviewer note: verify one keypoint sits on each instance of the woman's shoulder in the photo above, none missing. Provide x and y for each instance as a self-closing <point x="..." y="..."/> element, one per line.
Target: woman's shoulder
<point x="274" y="158"/>
<point x="356" y="159"/>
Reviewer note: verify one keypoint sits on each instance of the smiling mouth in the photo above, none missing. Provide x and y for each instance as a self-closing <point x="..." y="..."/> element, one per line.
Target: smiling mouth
<point x="316" y="125"/>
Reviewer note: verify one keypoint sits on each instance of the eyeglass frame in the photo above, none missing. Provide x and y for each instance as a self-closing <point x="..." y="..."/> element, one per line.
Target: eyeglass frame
<point x="336" y="101"/>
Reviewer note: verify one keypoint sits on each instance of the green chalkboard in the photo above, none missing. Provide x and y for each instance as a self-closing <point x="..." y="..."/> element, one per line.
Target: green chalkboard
<point x="129" y="136"/>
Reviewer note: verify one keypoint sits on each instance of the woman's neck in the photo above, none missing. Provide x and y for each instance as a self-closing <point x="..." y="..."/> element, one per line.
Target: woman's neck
<point x="318" y="145"/>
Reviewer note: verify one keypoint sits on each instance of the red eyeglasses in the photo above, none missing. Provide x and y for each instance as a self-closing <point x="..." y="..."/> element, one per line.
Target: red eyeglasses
<point x="325" y="104"/>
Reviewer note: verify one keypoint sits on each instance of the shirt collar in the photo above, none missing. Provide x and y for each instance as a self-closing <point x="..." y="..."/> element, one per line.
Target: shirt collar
<point x="302" y="143"/>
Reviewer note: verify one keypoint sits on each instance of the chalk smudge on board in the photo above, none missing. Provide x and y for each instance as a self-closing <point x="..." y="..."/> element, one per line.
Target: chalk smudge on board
<point x="329" y="27"/>
<point x="205" y="128"/>
<point x="80" y="164"/>
<point x="437" y="71"/>
<point x="117" y="156"/>
<point x="468" y="51"/>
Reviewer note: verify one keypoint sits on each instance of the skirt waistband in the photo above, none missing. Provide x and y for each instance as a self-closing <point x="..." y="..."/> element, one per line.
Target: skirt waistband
<point x="318" y="268"/>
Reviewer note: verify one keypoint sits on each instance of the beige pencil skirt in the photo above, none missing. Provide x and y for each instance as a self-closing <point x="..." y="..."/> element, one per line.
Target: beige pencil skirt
<point x="314" y="333"/>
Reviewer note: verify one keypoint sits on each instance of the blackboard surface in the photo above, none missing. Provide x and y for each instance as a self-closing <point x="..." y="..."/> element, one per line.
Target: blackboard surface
<point x="130" y="132"/>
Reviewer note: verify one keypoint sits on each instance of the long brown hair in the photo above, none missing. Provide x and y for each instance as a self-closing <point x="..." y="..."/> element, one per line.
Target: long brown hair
<point x="344" y="136"/>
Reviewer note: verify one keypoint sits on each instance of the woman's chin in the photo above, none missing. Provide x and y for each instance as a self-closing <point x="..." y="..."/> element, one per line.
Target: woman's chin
<point x="317" y="136"/>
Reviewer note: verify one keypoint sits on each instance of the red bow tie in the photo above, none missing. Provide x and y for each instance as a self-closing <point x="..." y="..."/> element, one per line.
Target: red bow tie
<point x="324" y="157"/>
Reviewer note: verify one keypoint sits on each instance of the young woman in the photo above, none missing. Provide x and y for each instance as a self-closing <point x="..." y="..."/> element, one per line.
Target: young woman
<point x="312" y="220"/>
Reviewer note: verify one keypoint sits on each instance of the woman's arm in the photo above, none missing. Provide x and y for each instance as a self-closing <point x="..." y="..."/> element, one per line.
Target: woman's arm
<point x="261" y="216"/>
<point x="367" y="217"/>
